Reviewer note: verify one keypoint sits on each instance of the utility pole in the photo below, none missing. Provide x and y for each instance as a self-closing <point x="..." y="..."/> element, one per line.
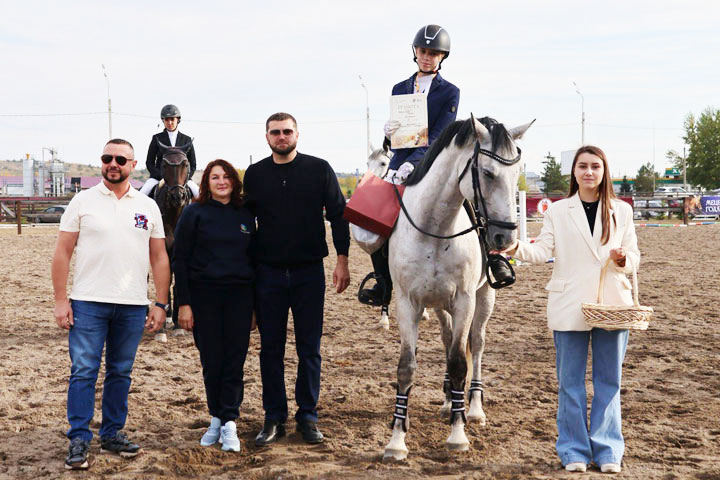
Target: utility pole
<point x="107" y="80"/>
<point x="367" y="114"/>
<point x="582" y="106"/>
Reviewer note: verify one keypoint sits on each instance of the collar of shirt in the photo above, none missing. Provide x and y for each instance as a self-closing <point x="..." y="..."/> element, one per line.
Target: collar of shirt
<point x="173" y="136"/>
<point x="104" y="189"/>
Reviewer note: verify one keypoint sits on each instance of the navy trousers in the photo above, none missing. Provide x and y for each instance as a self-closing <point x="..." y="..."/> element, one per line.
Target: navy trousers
<point x="278" y="290"/>
<point x="222" y="333"/>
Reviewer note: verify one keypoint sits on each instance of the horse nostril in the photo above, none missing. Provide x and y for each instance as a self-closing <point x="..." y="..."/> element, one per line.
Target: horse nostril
<point x="499" y="240"/>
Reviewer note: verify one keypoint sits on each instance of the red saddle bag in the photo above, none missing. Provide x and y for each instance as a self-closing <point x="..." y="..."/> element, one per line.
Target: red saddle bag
<point x="374" y="205"/>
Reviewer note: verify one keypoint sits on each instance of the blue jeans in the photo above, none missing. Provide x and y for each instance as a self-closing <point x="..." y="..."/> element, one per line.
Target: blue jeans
<point x="121" y="326"/>
<point x="604" y="442"/>
<point x="302" y="290"/>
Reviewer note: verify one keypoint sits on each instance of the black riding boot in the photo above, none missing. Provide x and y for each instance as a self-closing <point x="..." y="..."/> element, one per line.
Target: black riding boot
<point x="381" y="292"/>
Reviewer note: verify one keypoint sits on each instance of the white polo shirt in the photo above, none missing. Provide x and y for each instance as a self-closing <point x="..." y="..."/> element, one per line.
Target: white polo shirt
<point x="112" y="255"/>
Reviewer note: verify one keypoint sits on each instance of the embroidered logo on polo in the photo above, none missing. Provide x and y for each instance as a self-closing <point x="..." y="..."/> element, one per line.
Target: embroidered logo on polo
<point x="244" y="229"/>
<point x="141" y="221"/>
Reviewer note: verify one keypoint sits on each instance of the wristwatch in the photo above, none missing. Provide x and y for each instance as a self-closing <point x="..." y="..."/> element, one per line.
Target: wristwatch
<point x="164" y="306"/>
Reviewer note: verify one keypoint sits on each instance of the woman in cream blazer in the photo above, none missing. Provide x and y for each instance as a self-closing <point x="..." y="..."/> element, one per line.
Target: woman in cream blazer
<point x="582" y="232"/>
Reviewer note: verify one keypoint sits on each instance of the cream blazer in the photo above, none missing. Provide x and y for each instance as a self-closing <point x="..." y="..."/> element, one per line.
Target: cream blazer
<point x="579" y="259"/>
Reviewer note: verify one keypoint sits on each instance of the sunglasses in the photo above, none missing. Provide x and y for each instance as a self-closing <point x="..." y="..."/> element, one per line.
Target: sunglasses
<point x="119" y="159"/>
<point x="287" y="132"/>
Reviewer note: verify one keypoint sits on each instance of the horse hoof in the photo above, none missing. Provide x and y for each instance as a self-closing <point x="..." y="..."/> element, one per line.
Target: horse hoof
<point x="479" y="419"/>
<point x="394" y="454"/>
<point x="384" y="326"/>
<point x="458" y="447"/>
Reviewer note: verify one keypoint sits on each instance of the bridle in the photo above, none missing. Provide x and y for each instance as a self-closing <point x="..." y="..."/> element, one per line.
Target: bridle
<point x="483" y="220"/>
<point x="180" y="191"/>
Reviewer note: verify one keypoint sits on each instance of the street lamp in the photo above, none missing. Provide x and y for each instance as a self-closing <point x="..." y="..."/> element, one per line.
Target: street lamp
<point x="582" y="100"/>
<point x="367" y="114"/>
<point x="107" y="79"/>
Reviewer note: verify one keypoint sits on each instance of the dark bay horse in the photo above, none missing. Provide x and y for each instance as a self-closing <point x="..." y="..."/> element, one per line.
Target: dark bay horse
<point x="172" y="195"/>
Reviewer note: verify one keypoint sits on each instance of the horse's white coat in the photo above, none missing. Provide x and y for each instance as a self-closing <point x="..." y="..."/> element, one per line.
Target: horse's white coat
<point x="448" y="275"/>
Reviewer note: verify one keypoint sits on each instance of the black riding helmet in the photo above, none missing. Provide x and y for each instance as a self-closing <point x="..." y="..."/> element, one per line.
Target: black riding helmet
<point x="433" y="37"/>
<point x="170" y="111"/>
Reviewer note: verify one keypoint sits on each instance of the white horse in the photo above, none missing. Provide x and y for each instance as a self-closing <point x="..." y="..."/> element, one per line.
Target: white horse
<point x="477" y="161"/>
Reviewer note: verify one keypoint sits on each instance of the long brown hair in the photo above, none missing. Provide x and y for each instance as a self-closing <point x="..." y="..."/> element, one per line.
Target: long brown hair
<point x="607" y="194"/>
<point x="237" y="198"/>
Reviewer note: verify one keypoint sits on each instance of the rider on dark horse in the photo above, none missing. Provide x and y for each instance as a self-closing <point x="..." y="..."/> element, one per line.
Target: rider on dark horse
<point x="170" y="136"/>
<point x="430" y="47"/>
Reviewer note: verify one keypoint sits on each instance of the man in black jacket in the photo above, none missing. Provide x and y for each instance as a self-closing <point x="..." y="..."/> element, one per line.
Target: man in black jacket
<point x="288" y="191"/>
<point x="171" y="137"/>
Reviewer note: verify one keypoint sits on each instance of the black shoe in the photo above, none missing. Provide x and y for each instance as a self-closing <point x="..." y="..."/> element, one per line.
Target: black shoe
<point x="77" y="458"/>
<point x="119" y="444"/>
<point x="309" y="432"/>
<point x="271" y="432"/>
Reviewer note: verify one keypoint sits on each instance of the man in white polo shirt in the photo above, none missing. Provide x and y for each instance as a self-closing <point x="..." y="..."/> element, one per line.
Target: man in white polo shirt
<point x="118" y="235"/>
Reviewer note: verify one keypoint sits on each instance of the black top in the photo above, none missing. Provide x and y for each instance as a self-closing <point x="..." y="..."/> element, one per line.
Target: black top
<point x="155" y="153"/>
<point x="288" y="201"/>
<point x="590" y="212"/>
<point x="213" y="247"/>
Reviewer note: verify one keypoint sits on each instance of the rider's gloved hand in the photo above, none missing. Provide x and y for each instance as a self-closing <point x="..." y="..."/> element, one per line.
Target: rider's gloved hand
<point x="404" y="171"/>
<point x="391" y="127"/>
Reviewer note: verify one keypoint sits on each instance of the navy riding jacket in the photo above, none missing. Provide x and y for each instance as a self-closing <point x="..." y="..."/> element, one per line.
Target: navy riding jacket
<point x="443" y="99"/>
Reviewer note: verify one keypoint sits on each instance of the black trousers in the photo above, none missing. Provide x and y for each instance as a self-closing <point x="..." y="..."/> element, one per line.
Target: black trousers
<point x="302" y="290"/>
<point x="221" y="330"/>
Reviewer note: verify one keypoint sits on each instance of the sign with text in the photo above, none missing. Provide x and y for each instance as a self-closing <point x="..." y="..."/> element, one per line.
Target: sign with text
<point x="411" y="111"/>
<point x="710" y="205"/>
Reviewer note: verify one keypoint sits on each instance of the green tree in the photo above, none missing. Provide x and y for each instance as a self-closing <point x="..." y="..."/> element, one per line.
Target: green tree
<point x="522" y="183"/>
<point x="625" y="185"/>
<point x="645" y="179"/>
<point x="703" y="136"/>
<point x="555" y="181"/>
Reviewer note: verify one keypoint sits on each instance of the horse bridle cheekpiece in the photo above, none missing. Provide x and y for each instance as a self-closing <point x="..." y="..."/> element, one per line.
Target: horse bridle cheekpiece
<point x="499" y="272"/>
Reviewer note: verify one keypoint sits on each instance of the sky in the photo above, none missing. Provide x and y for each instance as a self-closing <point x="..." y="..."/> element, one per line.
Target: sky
<point x="640" y="66"/>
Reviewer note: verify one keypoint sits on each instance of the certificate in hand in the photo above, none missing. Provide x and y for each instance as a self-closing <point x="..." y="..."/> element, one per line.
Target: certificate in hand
<point x="411" y="112"/>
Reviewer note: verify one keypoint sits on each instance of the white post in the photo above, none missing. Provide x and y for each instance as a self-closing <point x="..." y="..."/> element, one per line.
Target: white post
<point x="367" y="114"/>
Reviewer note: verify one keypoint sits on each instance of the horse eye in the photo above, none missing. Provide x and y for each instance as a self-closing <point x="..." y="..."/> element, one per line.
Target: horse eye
<point x="488" y="174"/>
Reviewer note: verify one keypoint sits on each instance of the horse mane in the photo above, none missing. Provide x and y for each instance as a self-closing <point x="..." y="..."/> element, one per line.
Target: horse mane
<point x="463" y="132"/>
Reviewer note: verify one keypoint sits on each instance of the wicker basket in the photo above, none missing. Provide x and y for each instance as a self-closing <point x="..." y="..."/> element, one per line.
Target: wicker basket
<point x="617" y="317"/>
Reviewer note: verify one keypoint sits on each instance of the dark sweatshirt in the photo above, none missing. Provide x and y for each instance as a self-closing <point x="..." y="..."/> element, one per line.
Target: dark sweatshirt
<point x="212" y="247"/>
<point x="288" y="201"/>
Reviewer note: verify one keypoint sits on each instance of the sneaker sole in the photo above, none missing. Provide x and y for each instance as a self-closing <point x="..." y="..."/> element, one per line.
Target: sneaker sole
<point x="225" y="448"/>
<point x="82" y="466"/>
<point x="209" y="444"/>
<point x="122" y="454"/>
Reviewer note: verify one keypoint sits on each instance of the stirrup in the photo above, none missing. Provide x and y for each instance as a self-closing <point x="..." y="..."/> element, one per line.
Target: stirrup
<point x="499" y="264"/>
<point x="379" y="282"/>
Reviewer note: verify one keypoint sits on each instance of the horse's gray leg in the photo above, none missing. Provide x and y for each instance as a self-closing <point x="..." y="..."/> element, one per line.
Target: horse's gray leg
<point x="484" y="303"/>
<point x="457" y="366"/>
<point x="408" y="319"/>
<point x="446" y="334"/>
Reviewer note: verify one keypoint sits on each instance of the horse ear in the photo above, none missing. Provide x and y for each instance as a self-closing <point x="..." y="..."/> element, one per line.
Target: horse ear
<point x="186" y="148"/>
<point x="162" y="145"/>
<point x="481" y="133"/>
<point x="518" y="132"/>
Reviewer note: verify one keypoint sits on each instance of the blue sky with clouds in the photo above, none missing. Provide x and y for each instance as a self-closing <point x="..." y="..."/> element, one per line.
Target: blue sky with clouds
<point x="641" y="66"/>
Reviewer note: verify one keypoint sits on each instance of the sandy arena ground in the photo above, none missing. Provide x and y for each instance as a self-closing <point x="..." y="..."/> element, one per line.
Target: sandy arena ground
<point x="671" y="400"/>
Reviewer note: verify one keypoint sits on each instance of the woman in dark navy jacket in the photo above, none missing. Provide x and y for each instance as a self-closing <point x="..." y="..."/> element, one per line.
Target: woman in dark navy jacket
<point x="214" y="278"/>
<point x="430" y="47"/>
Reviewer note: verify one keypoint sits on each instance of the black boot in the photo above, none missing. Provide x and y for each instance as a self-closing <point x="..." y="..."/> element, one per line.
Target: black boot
<point x="381" y="292"/>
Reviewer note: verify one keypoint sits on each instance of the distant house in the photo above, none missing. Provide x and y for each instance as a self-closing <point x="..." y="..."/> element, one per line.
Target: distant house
<point x="12" y="186"/>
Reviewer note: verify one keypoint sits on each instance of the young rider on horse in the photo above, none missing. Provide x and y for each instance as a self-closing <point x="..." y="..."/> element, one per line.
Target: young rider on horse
<point x="171" y="136"/>
<point x="430" y="47"/>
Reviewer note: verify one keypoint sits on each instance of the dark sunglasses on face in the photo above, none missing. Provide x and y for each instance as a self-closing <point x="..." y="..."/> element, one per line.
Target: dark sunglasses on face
<point x="119" y="159"/>
<point x="287" y="132"/>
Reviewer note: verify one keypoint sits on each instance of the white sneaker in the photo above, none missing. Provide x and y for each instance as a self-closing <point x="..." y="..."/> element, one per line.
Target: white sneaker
<point x="610" y="468"/>
<point x="228" y="437"/>
<point x="576" y="467"/>
<point x="213" y="433"/>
